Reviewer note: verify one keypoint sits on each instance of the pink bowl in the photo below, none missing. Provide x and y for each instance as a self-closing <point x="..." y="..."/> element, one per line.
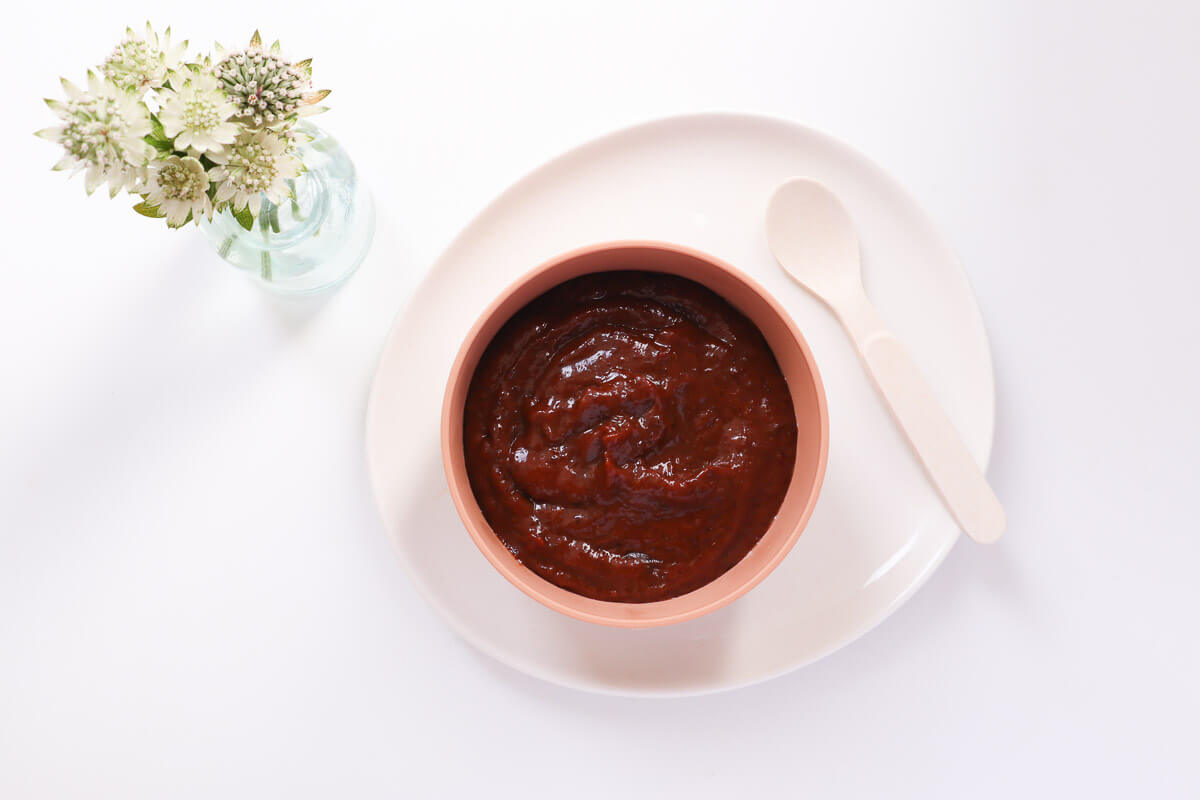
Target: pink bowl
<point x="795" y="361"/>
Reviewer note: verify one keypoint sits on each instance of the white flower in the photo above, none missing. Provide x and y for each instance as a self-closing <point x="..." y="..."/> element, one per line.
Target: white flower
<point x="269" y="90"/>
<point x="103" y="133"/>
<point x="143" y="61"/>
<point x="197" y="116"/>
<point x="259" y="163"/>
<point x="178" y="186"/>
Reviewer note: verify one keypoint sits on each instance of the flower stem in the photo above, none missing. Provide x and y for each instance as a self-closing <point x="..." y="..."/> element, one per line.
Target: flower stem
<point x="296" y="215"/>
<point x="268" y="220"/>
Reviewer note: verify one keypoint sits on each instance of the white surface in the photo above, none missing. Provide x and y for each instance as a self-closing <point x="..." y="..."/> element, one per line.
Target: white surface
<point x="198" y="600"/>
<point x="879" y="528"/>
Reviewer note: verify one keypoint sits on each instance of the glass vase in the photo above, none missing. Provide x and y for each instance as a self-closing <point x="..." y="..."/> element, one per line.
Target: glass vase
<point x="312" y="241"/>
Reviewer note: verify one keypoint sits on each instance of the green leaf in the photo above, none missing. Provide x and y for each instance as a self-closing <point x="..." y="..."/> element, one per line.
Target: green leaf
<point x="146" y="210"/>
<point x="157" y="137"/>
<point x="244" y="218"/>
<point x="161" y="145"/>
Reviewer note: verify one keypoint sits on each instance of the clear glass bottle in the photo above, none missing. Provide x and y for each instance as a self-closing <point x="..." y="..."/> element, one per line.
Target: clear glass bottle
<point x="310" y="243"/>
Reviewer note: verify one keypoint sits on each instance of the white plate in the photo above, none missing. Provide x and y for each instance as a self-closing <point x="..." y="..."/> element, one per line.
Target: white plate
<point x="879" y="529"/>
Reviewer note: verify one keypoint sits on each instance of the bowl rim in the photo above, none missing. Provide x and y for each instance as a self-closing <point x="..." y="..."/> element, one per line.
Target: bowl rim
<point x="534" y="585"/>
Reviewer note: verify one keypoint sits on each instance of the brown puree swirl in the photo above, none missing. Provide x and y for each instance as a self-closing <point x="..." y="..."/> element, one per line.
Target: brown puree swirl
<point x="629" y="436"/>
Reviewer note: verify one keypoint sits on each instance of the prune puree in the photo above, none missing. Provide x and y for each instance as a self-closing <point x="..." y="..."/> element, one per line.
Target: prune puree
<point x="629" y="436"/>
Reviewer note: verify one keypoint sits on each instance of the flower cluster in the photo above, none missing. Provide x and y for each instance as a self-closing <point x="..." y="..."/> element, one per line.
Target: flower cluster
<point x="192" y="138"/>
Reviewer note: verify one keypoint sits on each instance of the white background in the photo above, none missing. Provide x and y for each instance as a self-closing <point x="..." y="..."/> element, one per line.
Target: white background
<point x="197" y="599"/>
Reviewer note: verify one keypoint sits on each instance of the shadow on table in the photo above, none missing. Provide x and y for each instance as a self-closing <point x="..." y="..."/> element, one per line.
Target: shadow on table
<point x="295" y="312"/>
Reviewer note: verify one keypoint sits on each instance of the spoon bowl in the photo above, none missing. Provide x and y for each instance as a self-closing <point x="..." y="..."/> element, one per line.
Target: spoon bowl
<point x="813" y="238"/>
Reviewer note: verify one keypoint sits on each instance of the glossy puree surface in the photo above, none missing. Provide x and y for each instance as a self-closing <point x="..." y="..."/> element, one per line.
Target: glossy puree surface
<point x="629" y="436"/>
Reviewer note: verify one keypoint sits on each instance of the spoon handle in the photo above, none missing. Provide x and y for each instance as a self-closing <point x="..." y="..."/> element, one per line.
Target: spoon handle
<point x="937" y="443"/>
